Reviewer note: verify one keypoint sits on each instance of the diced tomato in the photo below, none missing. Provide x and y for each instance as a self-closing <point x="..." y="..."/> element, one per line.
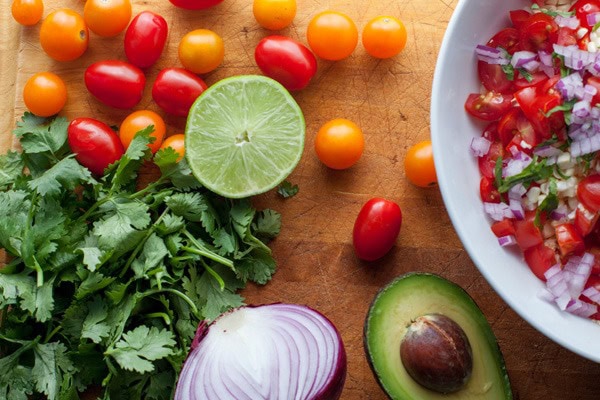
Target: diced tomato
<point x="507" y="38"/>
<point x="595" y="251"/>
<point x="595" y="82"/>
<point x="518" y="17"/>
<point x="488" y="107"/>
<point x="527" y="233"/>
<point x="502" y="228"/>
<point x="536" y="106"/>
<point x="493" y="78"/>
<point x="569" y="239"/>
<point x="566" y="36"/>
<point x="537" y="79"/>
<point x="539" y="32"/>
<point x="487" y="163"/>
<point x="488" y="191"/>
<point x="540" y="258"/>
<point x="515" y="123"/>
<point x="585" y="220"/>
<point x="588" y="192"/>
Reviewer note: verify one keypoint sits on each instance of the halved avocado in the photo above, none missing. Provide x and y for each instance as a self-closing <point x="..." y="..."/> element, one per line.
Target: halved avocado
<point x="409" y="297"/>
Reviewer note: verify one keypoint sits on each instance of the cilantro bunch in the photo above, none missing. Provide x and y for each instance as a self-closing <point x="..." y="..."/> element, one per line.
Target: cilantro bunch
<point x="105" y="281"/>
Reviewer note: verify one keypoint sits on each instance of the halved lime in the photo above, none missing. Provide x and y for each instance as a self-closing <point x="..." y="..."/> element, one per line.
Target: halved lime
<point x="244" y="136"/>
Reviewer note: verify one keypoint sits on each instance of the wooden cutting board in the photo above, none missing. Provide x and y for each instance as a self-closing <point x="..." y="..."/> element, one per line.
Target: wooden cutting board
<point x="390" y="100"/>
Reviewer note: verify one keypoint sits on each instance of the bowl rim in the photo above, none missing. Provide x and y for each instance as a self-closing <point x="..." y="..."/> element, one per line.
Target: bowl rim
<point x="446" y="191"/>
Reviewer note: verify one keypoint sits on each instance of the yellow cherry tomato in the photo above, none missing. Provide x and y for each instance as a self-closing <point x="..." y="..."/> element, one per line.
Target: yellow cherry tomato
<point x="27" y="12"/>
<point x="45" y="94"/>
<point x="419" y="166"/>
<point x="274" y="14"/>
<point x="141" y="119"/>
<point x="201" y="51"/>
<point x="332" y="35"/>
<point x="177" y="143"/>
<point x="339" y="143"/>
<point x="384" y="37"/>
<point x="107" y="18"/>
<point x="64" y="35"/>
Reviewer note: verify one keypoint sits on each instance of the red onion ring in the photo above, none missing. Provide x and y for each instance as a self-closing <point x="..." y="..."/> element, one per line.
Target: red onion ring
<point x="274" y="351"/>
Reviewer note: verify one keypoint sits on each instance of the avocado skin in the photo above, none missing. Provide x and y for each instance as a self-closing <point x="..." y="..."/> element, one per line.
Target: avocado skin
<point x="439" y="288"/>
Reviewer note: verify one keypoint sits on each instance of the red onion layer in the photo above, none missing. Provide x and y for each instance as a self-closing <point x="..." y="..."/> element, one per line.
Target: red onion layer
<point x="274" y="351"/>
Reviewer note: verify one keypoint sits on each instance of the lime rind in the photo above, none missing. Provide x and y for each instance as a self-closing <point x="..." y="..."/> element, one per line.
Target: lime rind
<point x="244" y="135"/>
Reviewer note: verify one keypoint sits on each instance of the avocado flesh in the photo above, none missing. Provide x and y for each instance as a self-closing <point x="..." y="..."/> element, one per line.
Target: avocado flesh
<point x="416" y="294"/>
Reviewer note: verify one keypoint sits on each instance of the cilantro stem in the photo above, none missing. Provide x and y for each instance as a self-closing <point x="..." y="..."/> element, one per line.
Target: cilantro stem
<point x="203" y="251"/>
<point x="176" y="293"/>
<point x="140" y="245"/>
<point x="51" y="334"/>
<point x="162" y="315"/>
<point x="214" y="274"/>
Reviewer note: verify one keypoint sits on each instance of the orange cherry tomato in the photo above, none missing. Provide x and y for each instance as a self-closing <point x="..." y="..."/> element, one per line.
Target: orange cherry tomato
<point x="332" y="35"/>
<point x="45" y="94"/>
<point x="177" y="143"/>
<point x="274" y="14"/>
<point x="384" y="37"/>
<point x="64" y="35"/>
<point x="201" y="51"/>
<point x="419" y="166"/>
<point x="107" y="18"/>
<point x="27" y="12"/>
<point x="339" y="143"/>
<point x="141" y="119"/>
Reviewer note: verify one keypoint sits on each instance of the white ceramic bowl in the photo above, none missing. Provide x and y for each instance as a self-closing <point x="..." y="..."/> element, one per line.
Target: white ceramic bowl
<point x="474" y="22"/>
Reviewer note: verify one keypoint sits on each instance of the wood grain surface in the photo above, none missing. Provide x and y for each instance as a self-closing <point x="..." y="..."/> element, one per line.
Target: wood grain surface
<point x="390" y="100"/>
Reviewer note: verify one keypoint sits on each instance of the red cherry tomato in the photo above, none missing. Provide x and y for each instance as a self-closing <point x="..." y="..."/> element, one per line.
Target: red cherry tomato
<point x="286" y="60"/>
<point x="195" y="4"/>
<point x="95" y="145"/>
<point x="176" y="89"/>
<point x="492" y="76"/>
<point x="145" y="39"/>
<point x="569" y="239"/>
<point x="527" y="233"/>
<point x="376" y="228"/>
<point x="115" y="83"/>
<point x="488" y="107"/>
<point x="588" y="192"/>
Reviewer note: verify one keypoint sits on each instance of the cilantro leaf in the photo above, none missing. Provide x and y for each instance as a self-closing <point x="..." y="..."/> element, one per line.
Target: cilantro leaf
<point x="535" y="171"/>
<point x="125" y="170"/>
<point x="119" y="228"/>
<point x="160" y="386"/>
<point x="16" y="380"/>
<point x="153" y="253"/>
<point x="67" y="173"/>
<point x="11" y="167"/>
<point x="257" y="267"/>
<point x="286" y="189"/>
<point x="50" y="137"/>
<point x="51" y="366"/>
<point x="191" y="206"/>
<point x="94" y="326"/>
<point x="549" y="203"/>
<point x="141" y="346"/>
<point x="267" y="224"/>
<point x="93" y="256"/>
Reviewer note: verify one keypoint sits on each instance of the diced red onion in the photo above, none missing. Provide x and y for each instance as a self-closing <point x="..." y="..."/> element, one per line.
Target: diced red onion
<point x="517" y="209"/>
<point x="521" y="58"/>
<point x="546" y="151"/>
<point x="567" y="22"/>
<point x="581" y="308"/>
<point x="552" y="271"/>
<point x="516" y="165"/>
<point x="480" y="146"/>
<point x="491" y="55"/>
<point x="592" y="18"/>
<point x="592" y="293"/>
<point x="507" y="240"/>
<point x="559" y="213"/>
<point x="585" y="145"/>
<point x="589" y="92"/>
<point x="498" y="211"/>
<point x="568" y="85"/>
<point x="275" y="351"/>
<point x="574" y="57"/>
<point x="545" y="58"/>
<point x="581" y="111"/>
<point x="517" y="191"/>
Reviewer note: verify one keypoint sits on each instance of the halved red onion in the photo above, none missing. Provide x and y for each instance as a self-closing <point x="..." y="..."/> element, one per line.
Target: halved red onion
<point x="273" y="351"/>
<point x="480" y="146"/>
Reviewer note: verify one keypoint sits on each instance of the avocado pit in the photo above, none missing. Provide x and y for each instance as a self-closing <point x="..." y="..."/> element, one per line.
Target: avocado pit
<point x="437" y="354"/>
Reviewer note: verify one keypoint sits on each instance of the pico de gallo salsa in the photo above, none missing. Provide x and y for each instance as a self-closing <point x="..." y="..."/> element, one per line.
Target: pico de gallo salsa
<point x="538" y="153"/>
